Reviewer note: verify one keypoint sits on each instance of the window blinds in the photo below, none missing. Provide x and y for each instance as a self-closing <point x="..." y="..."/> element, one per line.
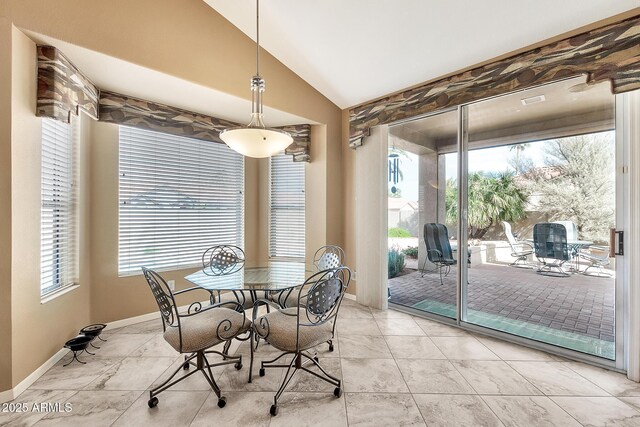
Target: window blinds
<point x="287" y="206"/>
<point x="178" y="197"/>
<point x="58" y="251"/>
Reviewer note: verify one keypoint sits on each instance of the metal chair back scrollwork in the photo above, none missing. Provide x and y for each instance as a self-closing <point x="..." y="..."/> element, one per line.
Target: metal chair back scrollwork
<point x="223" y="260"/>
<point x="164" y="298"/>
<point x="329" y="256"/>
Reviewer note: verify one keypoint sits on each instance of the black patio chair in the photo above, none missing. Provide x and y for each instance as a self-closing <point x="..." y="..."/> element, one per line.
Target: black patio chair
<point x="551" y="249"/>
<point x="436" y="238"/>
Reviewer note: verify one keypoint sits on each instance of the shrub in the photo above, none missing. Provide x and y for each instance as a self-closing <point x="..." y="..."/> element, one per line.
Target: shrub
<point x="399" y="232"/>
<point x="411" y="252"/>
<point x="396" y="262"/>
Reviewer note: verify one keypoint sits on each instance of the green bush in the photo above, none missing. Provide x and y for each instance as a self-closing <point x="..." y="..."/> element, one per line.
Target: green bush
<point x="411" y="252"/>
<point x="399" y="232"/>
<point x="396" y="262"/>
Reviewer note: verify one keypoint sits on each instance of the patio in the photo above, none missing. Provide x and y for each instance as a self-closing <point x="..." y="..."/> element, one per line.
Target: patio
<point x="575" y="312"/>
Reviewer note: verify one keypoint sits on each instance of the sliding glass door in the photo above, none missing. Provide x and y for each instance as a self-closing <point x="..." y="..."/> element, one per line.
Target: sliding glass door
<point x="503" y="214"/>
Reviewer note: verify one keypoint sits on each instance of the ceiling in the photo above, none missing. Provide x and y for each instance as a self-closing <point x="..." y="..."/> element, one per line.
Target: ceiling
<point x="357" y="50"/>
<point x="123" y="77"/>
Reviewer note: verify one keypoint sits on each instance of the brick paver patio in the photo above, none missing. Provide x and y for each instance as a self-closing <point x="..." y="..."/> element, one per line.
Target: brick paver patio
<point x="578" y="304"/>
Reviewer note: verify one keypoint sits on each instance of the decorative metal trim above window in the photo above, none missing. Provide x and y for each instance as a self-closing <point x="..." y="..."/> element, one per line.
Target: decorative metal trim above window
<point x="63" y="89"/>
<point x="608" y="53"/>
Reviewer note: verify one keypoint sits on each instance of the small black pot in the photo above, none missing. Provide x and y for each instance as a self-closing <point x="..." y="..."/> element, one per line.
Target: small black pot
<point x="79" y="343"/>
<point x="93" y="330"/>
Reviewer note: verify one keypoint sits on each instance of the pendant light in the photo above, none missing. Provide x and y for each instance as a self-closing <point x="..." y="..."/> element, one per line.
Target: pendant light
<point x="255" y="139"/>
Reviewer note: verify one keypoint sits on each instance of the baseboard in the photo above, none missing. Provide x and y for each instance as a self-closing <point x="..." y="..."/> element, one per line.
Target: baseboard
<point x="11" y="394"/>
<point x="132" y="320"/>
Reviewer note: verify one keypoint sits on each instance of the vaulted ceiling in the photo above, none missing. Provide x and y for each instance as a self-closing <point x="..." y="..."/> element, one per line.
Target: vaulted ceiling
<point x="355" y="50"/>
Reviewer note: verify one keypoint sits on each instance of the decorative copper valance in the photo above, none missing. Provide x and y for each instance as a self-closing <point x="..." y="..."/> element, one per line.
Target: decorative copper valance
<point x="63" y="89"/>
<point x="608" y="53"/>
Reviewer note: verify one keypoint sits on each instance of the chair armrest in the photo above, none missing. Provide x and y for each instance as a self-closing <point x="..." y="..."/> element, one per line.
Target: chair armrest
<point x="262" y="301"/>
<point x="197" y="307"/>
<point x="437" y="252"/>
<point x="195" y="288"/>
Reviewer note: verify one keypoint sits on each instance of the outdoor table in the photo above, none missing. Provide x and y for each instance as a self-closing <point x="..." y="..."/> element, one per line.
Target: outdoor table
<point x="574" y="247"/>
<point x="274" y="277"/>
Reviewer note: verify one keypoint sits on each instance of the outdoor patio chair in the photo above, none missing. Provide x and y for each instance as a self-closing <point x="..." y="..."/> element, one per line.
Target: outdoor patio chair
<point x="436" y="238"/>
<point x="551" y="250"/>
<point x="598" y="259"/>
<point x="296" y="330"/>
<point x="193" y="333"/>
<point x="519" y="250"/>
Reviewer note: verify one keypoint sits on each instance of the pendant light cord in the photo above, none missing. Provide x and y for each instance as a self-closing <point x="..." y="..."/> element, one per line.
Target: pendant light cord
<point x="257" y="37"/>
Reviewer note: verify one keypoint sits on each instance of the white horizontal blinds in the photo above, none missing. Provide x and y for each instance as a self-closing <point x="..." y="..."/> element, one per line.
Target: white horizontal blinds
<point x="287" y="205"/>
<point x="178" y="197"/>
<point x="58" y="251"/>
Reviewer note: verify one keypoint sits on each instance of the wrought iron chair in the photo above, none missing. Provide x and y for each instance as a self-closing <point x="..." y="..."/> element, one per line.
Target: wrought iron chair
<point x="551" y="249"/>
<point x="298" y="329"/>
<point x="225" y="260"/>
<point x="519" y="250"/>
<point x="436" y="239"/>
<point x="193" y="333"/>
<point x="598" y="259"/>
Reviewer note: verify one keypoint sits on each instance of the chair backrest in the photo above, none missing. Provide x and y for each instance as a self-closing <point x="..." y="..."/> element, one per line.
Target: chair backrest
<point x="164" y="298"/>
<point x="507" y="232"/>
<point x="571" y="227"/>
<point x="321" y="295"/>
<point x="550" y="241"/>
<point x="436" y="238"/>
<point x="222" y="260"/>
<point x="327" y="257"/>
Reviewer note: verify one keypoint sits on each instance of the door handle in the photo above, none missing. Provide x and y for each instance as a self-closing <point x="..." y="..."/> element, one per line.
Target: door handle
<point x="616" y="243"/>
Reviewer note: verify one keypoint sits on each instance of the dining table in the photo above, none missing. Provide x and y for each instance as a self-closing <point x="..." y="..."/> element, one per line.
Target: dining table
<point x="258" y="281"/>
<point x="574" y="247"/>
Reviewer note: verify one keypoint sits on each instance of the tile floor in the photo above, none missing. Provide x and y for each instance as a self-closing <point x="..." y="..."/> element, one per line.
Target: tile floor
<point x="397" y="370"/>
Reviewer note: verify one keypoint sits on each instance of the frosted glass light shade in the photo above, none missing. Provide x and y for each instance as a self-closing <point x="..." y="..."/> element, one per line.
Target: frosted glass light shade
<point x="256" y="142"/>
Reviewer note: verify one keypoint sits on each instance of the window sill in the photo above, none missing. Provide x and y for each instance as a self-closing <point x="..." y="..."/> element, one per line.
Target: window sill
<point x="55" y="294"/>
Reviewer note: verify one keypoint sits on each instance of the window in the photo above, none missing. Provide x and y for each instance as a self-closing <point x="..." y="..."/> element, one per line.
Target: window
<point x="286" y="205"/>
<point x="58" y="252"/>
<point x="178" y="196"/>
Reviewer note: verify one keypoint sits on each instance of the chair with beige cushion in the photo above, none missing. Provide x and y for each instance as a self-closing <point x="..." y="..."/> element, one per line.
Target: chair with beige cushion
<point x="298" y="329"/>
<point x="193" y="333"/>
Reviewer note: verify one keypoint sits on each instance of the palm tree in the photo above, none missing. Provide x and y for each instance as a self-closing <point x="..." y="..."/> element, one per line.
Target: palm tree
<point x="491" y="198"/>
<point x="519" y="164"/>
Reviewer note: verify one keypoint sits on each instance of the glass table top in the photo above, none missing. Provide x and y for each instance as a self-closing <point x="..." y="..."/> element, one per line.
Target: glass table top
<point x="276" y="275"/>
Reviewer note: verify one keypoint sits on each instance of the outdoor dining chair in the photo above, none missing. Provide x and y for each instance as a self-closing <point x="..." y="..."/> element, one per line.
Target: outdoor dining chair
<point x="551" y="249"/>
<point x="194" y="333"/>
<point x="297" y="330"/>
<point x="519" y="250"/>
<point x="436" y="239"/>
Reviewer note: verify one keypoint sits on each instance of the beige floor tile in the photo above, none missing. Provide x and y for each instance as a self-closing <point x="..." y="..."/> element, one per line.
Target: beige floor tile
<point x="92" y="408"/>
<point x="364" y="346"/>
<point x="463" y="348"/>
<point x="234" y="380"/>
<point x="357" y="327"/>
<point x="519" y="411"/>
<point x="413" y="348"/>
<point x="306" y="382"/>
<point x="354" y="311"/>
<point x="157" y="346"/>
<point x="494" y="377"/>
<point x="310" y="409"/>
<point x="509" y="351"/>
<point x="446" y="410"/>
<point x="381" y="409"/>
<point x="437" y="329"/>
<point x="390" y="314"/>
<point x="131" y="373"/>
<point x="243" y="409"/>
<point x="147" y="327"/>
<point x="122" y="345"/>
<point x="399" y="326"/>
<point x="372" y="375"/>
<point x="433" y="376"/>
<point x="195" y="381"/>
<point x="634" y="402"/>
<point x="613" y="382"/>
<point x="599" y="411"/>
<point x="20" y="411"/>
<point x="556" y="379"/>
<point x="175" y="409"/>
<point x="76" y="375"/>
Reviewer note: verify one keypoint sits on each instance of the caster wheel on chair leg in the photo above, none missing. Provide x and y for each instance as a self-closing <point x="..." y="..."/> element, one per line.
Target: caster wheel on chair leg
<point x="238" y="365"/>
<point x="316" y="359"/>
<point x="274" y="410"/>
<point x="153" y="402"/>
<point x="337" y="392"/>
<point x="262" y="372"/>
<point x="330" y="347"/>
<point x="185" y="366"/>
<point x="222" y="402"/>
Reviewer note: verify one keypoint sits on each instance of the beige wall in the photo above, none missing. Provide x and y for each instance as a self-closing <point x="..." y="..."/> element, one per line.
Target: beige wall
<point x="38" y="330"/>
<point x="201" y="47"/>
